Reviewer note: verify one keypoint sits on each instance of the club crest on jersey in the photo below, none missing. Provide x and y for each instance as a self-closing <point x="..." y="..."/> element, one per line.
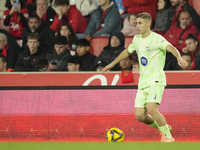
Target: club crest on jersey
<point x="148" y="49"/>
<point x="144" y="61"/>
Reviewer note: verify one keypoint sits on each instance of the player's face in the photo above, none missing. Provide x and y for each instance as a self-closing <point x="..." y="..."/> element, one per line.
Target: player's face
<point x="188" y="60"/>
<point x="175" y="3"/>
<point x="161" y="4"/>
<point x="191" y="45"/>
<point x="64" y="31"/>
<point x="81" y="50"/>
<point x="32" y="45"/>
<point x="72" y="67"/>
<point x="60" y="48"/>
<point x="136" y="67"/>
<point x="2" y="65"/>
<point x="114" y="41"/>
<point x="126" y="63"/>
<point x="142" y="25"/>
<point x="33" y="24"/>
<point x="185" y="19"/>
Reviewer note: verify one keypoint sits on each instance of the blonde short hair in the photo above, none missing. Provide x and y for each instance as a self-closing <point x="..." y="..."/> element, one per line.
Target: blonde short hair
<point x="144" y="15"/>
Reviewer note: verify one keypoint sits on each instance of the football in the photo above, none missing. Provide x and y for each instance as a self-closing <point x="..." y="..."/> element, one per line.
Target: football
<point x="115" y="135"/>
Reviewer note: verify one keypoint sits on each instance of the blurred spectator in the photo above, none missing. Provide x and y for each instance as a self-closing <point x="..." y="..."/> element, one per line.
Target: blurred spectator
<point x="67" y="31"/>
<point x="86" y="7"/>
<point x="42" y="65"/>
<point x="188" y="58"/>
<point x="31" y="2"/>
<point x="192" y="47"/>
<point x="104" y="20"/>
<point x="88" y="59"/>
<point x="179" y="32"/>
<point x="28" y="58"/>
<point x="126" y="64"/>
<point x="47" y="36"/>
<point x="3" y="64"/>
<point x="121" y="8"/>
<point x="68" y="14"/>
<point x="136" y="66"/>
<point x="11" y="41"/>
<point x="45" y="12"/>
<point x="100" y="65"/>
<point x="58" y="60"/>
<point x="174" y="12"/>
<point x="7" y="51"/>
<point x="113" y="49"/>
<point x="161" y="16"/>
<point x="129" y="28"/>
<point x="138" y="6"/>
<point x="16" y="17"/>
<point x="74" y="64"/>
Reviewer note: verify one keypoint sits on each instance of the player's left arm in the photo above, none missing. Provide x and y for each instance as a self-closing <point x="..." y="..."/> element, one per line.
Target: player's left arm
<point x="176" y="53"/>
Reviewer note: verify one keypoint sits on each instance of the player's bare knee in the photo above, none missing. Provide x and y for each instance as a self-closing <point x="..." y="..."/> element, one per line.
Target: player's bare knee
<point x="140" y="117"/>
<point x="152" y="111"/>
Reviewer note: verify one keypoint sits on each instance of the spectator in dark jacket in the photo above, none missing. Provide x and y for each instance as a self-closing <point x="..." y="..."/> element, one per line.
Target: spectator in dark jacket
<point x="47" y="36"/>
<point x="113" y="49"/>
<point x="88" y="59"/>
<point x="44" y="11"/>
<point x="161" y="16"/>
<point x="16" y="17"/>
<point x="174" y="11"/>
<point x="8" y="51"/>
<point x="68" y="14"/>
<point x="58" y="60"/>
<point x="29" y="57"/>
<point x="67" y="31"/>
<point x="104" y="20"/>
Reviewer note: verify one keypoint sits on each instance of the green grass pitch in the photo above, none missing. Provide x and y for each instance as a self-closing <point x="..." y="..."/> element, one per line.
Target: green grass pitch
<point x="99" y="146"/>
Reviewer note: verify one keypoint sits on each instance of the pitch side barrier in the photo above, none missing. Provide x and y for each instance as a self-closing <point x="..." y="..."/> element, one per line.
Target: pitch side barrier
<point x="84" y="106"/>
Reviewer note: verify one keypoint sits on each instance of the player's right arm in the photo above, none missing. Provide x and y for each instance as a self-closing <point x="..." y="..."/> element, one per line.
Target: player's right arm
<point x="122" y="56"/>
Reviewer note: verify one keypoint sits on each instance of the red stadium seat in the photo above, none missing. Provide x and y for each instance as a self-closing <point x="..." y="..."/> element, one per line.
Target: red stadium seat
<point x="195" y="4"/>
<point x="97" y="44"/>
<point x="128" y="41"/>
<point x="7" y="28"/>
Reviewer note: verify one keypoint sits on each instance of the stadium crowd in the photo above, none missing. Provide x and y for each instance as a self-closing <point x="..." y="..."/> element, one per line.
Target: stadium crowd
<point x="55" y="35"/>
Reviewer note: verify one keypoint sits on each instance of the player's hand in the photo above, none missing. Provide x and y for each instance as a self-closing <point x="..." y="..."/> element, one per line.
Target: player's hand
<point x="171" y="36"/>
<point x="107" y="68"/>
<point x="182" y="62"/>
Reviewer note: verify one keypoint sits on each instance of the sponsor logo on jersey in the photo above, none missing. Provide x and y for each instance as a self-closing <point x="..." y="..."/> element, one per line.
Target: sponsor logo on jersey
<point x="144" y="61"/>
<point x="148" y="49"/>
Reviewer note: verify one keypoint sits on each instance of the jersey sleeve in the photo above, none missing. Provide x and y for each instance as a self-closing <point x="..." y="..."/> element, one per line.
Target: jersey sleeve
<point x="132" y="46"/>
<point x="162" y="43"/>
